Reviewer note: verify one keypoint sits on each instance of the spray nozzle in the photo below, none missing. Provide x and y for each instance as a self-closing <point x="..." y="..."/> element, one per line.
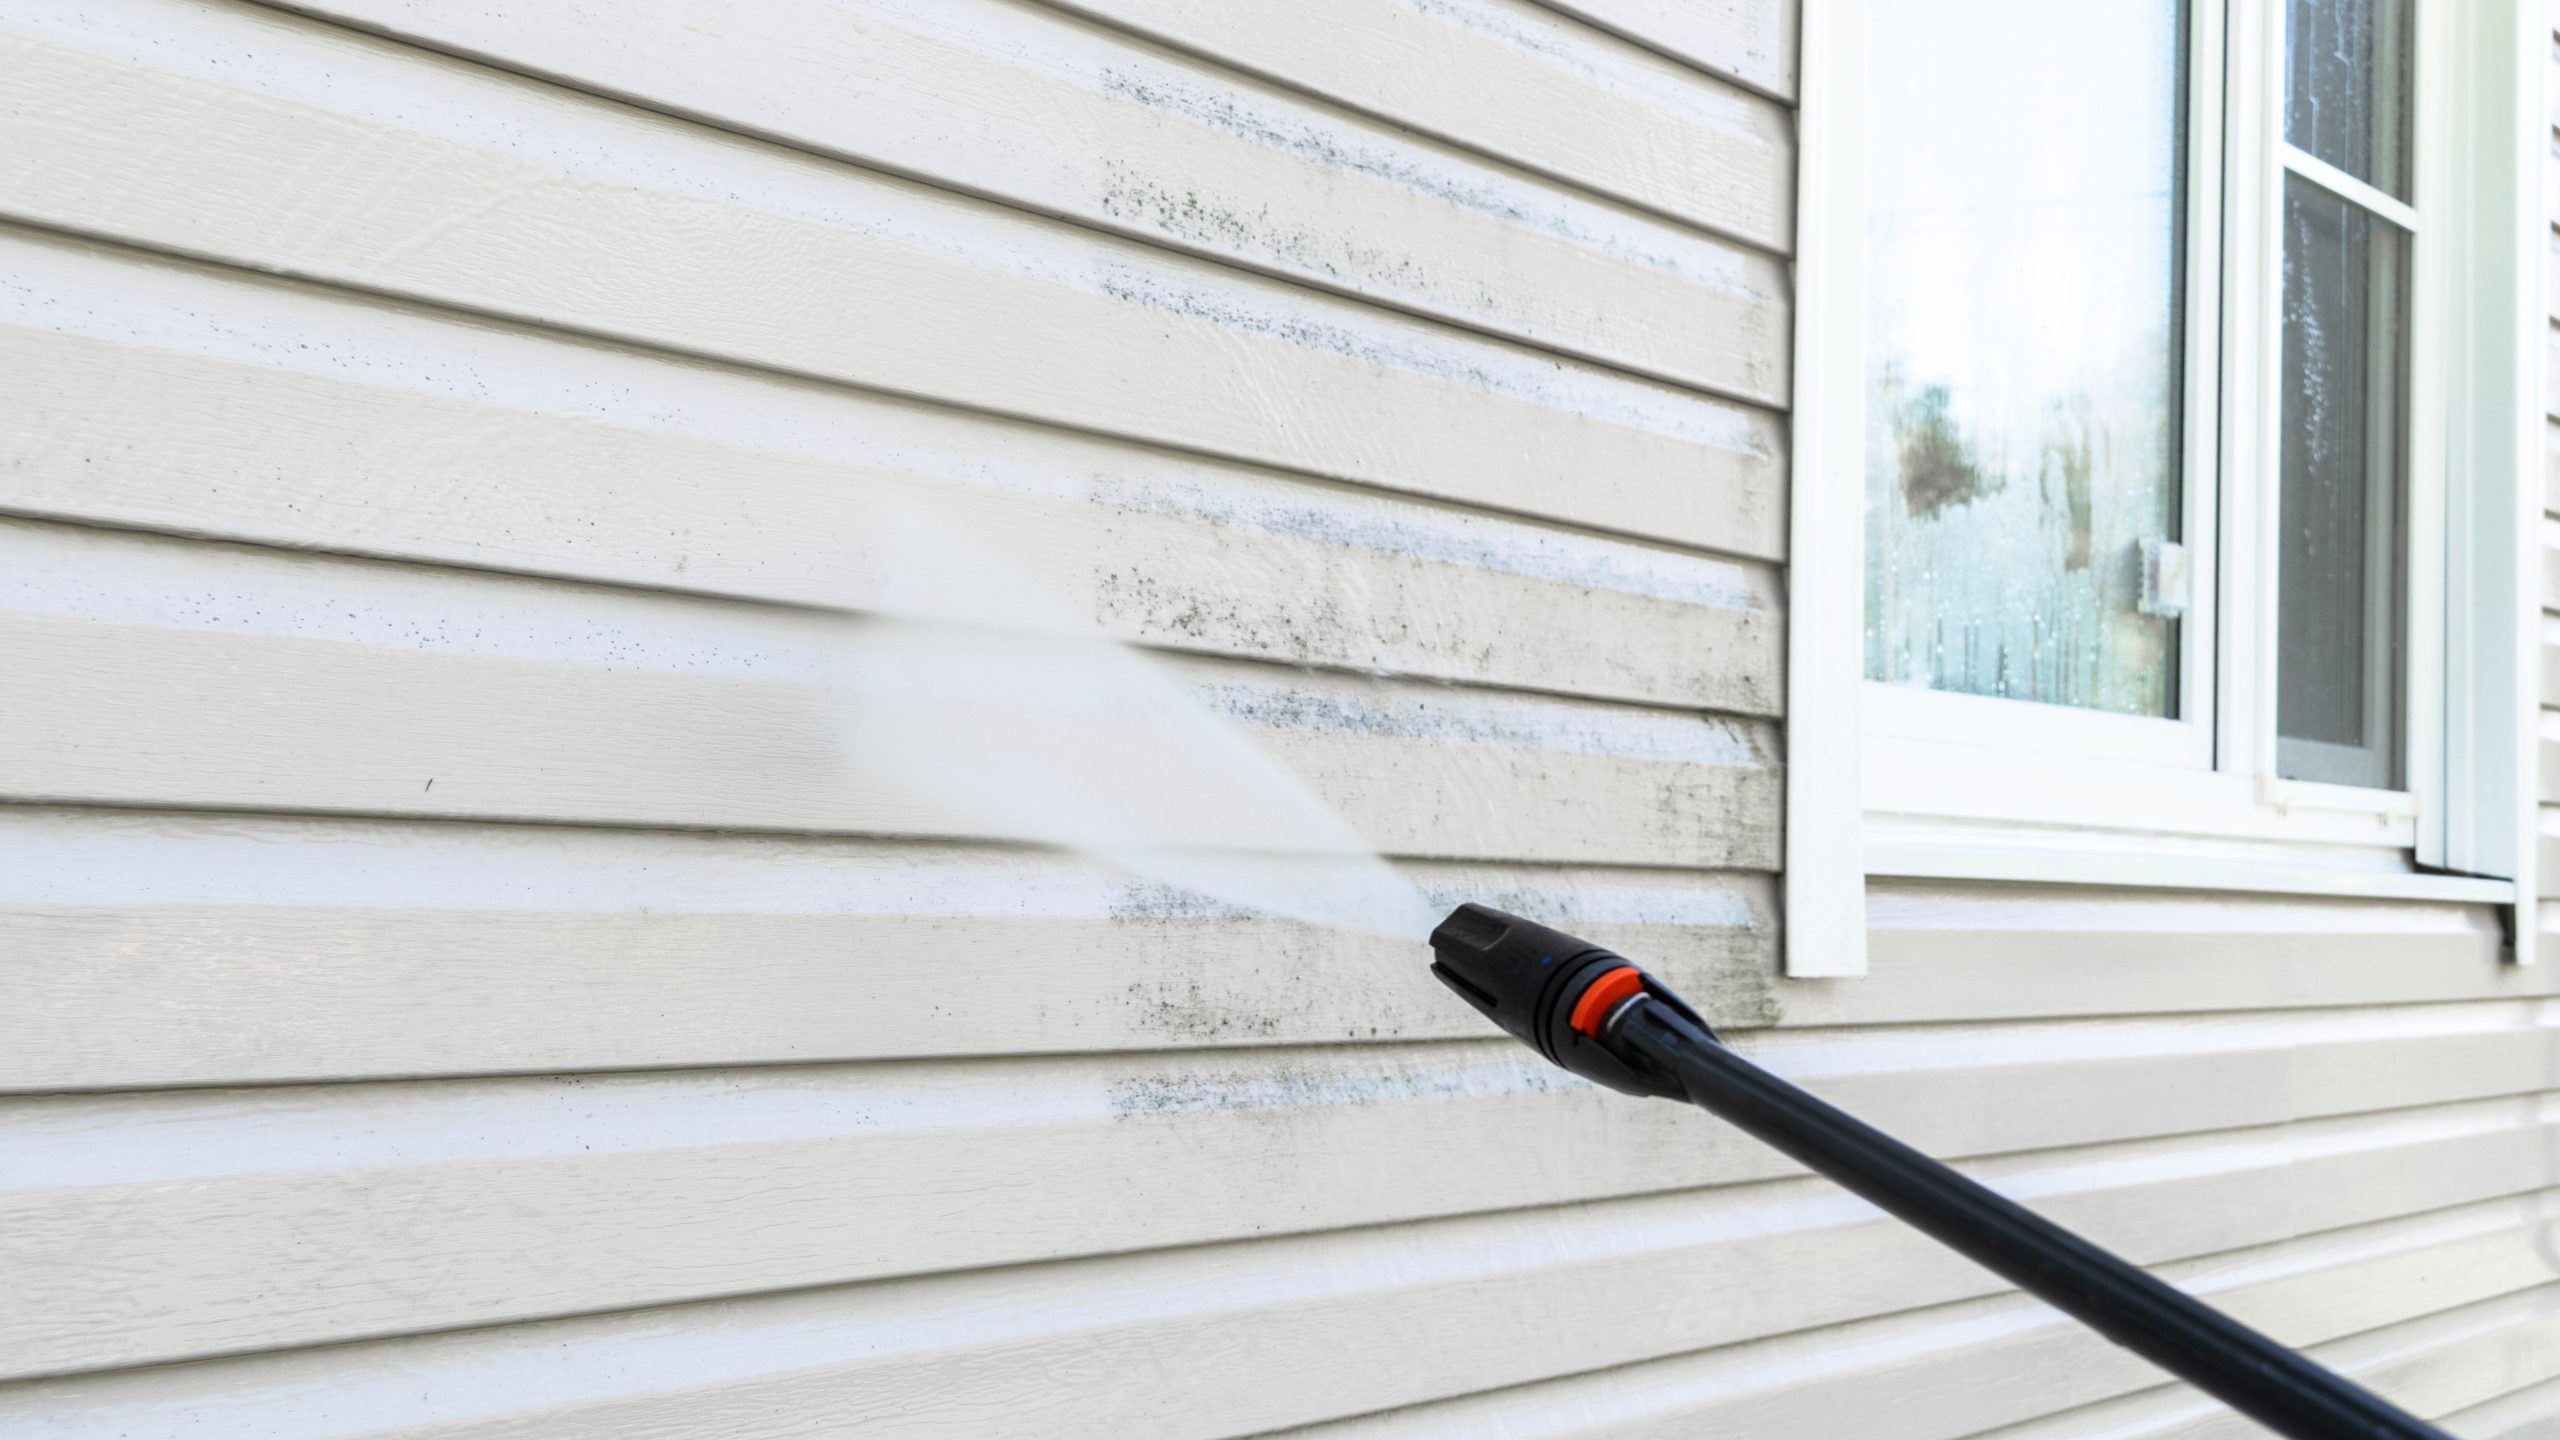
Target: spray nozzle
<point x="1551" y="991"/>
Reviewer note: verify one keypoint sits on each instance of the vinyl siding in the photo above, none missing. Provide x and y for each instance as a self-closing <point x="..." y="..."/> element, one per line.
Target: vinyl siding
<point x="460" y="991"/>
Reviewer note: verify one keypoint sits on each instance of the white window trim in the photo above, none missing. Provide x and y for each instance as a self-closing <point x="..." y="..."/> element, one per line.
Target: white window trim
<point x="1823" y="890"/>
<point x="1891" y="782"/>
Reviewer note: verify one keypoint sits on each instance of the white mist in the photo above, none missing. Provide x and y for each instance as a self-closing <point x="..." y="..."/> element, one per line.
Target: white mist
<point x="980" y="691"/>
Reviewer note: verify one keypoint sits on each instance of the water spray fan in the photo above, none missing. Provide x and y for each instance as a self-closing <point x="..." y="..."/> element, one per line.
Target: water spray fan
<point x="1606" y="1020"/>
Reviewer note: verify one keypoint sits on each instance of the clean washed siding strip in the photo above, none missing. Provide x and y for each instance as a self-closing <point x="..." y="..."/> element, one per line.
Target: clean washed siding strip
<point x="207" y="950"/>
<point x="147" y="671"/>
<point x="522" y="200"/>
<point x="1078" y="1348"/>
<point x="1053" y="115"/>
<point x="178" y="398"/>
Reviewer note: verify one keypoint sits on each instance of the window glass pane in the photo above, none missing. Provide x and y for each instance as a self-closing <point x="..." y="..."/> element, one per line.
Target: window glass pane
<point x="2023" y="163"/>
<point x="2346" y="87"/>
<point x="2345" y="417"/>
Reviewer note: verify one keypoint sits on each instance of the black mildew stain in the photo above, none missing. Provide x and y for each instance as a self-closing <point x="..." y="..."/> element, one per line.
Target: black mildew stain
<point x="1283" y="1090"/>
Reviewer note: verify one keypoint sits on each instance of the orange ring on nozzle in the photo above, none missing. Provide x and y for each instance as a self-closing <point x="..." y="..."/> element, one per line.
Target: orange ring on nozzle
<point x="1602" y="994"/>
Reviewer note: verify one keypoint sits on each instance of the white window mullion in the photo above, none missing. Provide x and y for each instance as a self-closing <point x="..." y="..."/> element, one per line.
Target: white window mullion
<point x="2347" y="187"/>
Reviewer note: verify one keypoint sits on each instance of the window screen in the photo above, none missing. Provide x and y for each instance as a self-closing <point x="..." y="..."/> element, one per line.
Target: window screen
<point x="2344" y="469"/>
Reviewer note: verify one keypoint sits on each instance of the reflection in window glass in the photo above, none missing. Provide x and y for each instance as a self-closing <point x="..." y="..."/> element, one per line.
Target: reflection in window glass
<point x="2338" y="620"/>
<point x="2346" y="87"/>
<point x="2023" y="163"/>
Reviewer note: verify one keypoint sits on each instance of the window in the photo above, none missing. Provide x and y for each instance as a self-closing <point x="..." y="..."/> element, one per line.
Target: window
<point x="2167" y="393"/>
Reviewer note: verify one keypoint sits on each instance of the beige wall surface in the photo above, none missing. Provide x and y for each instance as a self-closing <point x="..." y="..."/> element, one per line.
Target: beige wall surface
<point x="456" y="988"/>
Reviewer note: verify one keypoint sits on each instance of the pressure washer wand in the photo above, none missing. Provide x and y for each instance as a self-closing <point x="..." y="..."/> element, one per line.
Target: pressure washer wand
<point x="1602" y="1018"/>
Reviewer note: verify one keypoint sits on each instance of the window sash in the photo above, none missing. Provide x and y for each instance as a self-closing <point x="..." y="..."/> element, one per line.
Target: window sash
<point x="2187" y="739"/>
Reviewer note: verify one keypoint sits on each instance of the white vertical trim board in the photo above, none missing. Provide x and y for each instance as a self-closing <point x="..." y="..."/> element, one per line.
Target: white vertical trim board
<point x="1826" y="575"/>
<point x="2494" y="533"/>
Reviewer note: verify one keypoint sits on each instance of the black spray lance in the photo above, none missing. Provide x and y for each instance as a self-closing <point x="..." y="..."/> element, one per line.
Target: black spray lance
<point x="1605" y="1020"/>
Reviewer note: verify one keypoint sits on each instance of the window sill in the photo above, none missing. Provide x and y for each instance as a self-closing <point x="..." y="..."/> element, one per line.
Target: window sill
<point x="1953" y="850"/>
<point x="1939" y="779"/>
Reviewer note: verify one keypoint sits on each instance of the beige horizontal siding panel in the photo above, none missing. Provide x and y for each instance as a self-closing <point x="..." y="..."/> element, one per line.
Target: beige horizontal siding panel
<point x="175" y="993"/>
<point x="1182" y="1343"/>
<point x="268" y="949"/>
<point x="2429" y="1367"/>
<point x="2550" y="564"/>
<point x="2529" y="1414"/>
<point x="2550" y="375"/>
<point x="2447" y="1366"/>
<point x="1751" y="41"/>
<point x="172" y="992"/>
<point x="153" y="949"/>
<point x="2551" y="177"/>
<point x="1955" y="1371"/>
<point x="149" y="671"/>
<point x="1026" y="106"/>
<point x="522" y="200"/>
<point x="1521" y="83"/>
<point x="2551" y="468"/>
<point x="2548" y="821"/>
<point x="175" y="397"/>
<point x="2437" y="1368"/>
<point x="265" y="949"/>
<point x="156" y="1227"/>
<point x="2551" y="271"/>
<point x="138" y="715"/>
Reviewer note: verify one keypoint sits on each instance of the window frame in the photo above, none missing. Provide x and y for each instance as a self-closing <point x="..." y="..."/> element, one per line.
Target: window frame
<point x="1967" y="787"/>
<point x="1938" y="719"/>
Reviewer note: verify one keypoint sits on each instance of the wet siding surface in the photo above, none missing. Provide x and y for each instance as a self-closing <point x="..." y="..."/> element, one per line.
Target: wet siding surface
<point x="458" y="988"/>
